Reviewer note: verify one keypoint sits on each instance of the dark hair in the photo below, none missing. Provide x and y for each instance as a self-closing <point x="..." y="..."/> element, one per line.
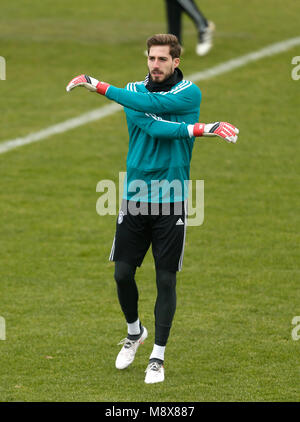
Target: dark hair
<point x="165" y="39"/>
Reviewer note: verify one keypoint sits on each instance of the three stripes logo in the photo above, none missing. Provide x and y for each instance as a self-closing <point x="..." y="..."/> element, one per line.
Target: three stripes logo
<point x="179" y="222"/>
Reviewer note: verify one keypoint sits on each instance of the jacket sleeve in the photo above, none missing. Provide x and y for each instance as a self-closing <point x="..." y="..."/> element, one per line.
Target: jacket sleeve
<point x="156" y="127"/>
<point x="180" y="100"/>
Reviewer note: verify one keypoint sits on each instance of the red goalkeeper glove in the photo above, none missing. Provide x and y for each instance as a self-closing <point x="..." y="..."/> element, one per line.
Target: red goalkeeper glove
<point x="222" y="129"/>
<point x="89" y="83"/>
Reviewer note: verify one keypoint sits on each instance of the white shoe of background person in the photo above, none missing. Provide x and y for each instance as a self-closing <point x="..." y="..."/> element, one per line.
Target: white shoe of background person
<point x="127" y="353"/>
<point x="155" y="372"/>
<point x="205" y="40"/>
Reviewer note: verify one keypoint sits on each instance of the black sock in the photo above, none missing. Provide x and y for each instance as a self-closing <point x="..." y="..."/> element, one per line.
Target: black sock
<point x="156" y="360"/>
<point x="136" y="336"/>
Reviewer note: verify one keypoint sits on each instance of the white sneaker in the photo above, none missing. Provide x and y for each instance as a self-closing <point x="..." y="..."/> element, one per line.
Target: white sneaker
<point x="128" y="351"/>
<point x="205" y="42"/>
<point x="154" y="373"/>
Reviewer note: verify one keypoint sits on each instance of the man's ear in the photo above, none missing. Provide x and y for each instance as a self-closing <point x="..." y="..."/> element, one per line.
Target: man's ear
<point x="176" y="62"/>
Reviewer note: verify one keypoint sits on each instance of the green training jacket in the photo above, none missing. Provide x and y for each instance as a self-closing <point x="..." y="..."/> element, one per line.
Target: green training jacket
<point x="160" y="147"/>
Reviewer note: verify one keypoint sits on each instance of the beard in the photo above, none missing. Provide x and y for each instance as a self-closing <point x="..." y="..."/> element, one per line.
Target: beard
<point x="159" y="76"/>
<point x="166" y="84"/>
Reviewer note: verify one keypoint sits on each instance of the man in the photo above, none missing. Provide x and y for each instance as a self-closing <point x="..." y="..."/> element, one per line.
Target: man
<point x="205" y="28"/>
<point x="161" y="113"/>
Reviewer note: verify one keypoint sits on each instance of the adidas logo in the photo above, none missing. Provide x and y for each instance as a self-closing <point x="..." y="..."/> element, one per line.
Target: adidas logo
<point x="179" y="222"/>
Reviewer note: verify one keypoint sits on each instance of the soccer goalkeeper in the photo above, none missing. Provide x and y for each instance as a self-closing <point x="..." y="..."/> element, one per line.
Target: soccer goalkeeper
<point x="162" y="117"/>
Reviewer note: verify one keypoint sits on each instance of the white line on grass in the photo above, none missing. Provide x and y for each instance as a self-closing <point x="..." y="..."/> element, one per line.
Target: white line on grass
<point x="270" y="50"/>
<point x="91" y="116"/>
<point x="109" y="109"/>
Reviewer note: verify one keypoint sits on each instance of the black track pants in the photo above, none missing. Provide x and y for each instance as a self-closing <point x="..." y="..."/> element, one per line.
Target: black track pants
<point x="175" y="8"/>
<point x="165" y="305"/>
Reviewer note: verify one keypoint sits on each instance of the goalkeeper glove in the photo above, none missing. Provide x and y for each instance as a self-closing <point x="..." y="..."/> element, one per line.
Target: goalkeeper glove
<point x="89" y="83"/>
<point x="222" y="129"/>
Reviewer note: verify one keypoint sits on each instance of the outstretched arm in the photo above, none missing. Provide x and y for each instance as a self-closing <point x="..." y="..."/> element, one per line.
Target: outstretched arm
<point x="179" y="100"/>
<point x="146" y="104"/>
<point x="157" y="127"/>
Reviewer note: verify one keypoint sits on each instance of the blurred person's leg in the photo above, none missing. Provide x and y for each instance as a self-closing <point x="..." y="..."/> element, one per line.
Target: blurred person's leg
<point x="174" y="14"/>
<point x="190" y="7"/>
<point x="204" y="27"/>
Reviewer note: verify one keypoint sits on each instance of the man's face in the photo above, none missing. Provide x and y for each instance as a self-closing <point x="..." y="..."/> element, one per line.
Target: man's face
<point x="161" y="65"/>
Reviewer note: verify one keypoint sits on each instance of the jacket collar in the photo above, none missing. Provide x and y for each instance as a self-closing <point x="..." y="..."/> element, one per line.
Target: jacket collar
<point x="166" y="85"/>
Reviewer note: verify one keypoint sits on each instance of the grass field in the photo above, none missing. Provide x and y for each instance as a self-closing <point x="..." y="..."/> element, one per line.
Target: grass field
<point x="239" y="288"/>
